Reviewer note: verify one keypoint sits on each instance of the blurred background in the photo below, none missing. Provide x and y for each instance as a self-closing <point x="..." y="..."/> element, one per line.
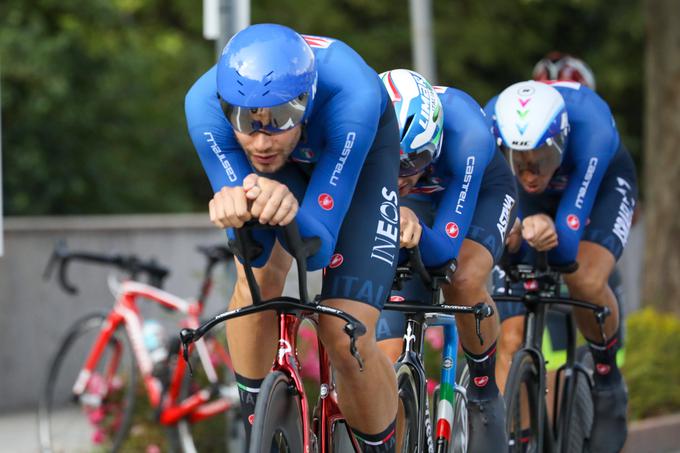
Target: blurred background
<point x="95" y="148"/>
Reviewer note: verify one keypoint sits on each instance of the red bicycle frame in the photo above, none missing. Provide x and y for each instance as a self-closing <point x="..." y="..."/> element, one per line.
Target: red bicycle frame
<point x="197" y="406"/>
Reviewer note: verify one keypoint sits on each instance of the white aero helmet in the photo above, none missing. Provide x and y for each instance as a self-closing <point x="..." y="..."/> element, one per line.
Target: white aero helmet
<point x="531" y="127"/>
<point x="420" y="116"/>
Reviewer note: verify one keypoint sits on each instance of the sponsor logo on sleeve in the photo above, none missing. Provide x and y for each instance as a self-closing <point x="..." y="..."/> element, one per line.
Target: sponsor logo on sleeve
<point x="573" y="222"/>
<point x="469" y="169"/>
<point x="326" y="202"/>
<point x="592" y="165"/>
<point x="228" y="169"/>
<point x="452" y="230"/>
<point x="396" y="298"/>
<point x="349" y="143"/>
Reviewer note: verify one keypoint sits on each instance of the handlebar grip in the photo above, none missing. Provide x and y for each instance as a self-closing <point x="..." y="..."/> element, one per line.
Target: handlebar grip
<point x="63" y="279"/>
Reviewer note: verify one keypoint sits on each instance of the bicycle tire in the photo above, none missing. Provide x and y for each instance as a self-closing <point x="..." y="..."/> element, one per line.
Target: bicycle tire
<point x="408" y="395"/>
<point x="523" y="375"/>
<point x="576" y="433"/>
<point x="187" y="437"/>
<point x="278" y="417"/>
<point x="98" y="413"/>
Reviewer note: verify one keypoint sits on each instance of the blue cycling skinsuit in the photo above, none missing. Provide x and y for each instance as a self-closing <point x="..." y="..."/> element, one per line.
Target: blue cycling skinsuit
<point x="349" y="146"/>
<point x="469" y="192"/>
<point x="592" y="195"/>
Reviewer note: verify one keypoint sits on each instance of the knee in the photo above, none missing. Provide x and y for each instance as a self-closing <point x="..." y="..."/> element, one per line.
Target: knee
<point x="468" y="282"/>
<point x="337" y="345"/>
<point x="586" y="283"/>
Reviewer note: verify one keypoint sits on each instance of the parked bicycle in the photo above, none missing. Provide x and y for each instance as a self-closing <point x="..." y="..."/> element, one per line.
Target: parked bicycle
<point x="91" y="389"/>
<point x="451" y="414"/>
<point x="283" y="421"/>
<point x="527" y="420"/>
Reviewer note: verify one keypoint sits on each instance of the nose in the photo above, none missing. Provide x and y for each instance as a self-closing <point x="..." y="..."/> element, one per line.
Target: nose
<point x="528" y="177"/>
<point x="261" y="142"/>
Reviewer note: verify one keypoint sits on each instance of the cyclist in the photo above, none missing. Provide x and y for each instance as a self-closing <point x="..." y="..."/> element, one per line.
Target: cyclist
<point x="294" y="126"/>
<point x="560" y="66"/>
<point x="577" y="191"/>
<point x="457" y="201"/>
<point x="554" y="66"/>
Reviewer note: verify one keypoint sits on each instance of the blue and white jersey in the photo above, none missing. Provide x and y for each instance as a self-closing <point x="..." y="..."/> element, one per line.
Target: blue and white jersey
<point x="347" y="107"/>
<point x="593" y="141"/>
<point x="454" y="180"/>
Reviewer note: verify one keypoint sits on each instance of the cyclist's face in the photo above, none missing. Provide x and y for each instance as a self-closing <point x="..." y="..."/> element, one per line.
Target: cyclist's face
<point x="269" y="152"/>
<point x="406" y="183"/>
<point x="532" y="181"/>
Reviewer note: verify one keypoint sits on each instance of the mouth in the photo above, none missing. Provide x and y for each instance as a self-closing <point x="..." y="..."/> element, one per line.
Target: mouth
<point x="264" y="159"/>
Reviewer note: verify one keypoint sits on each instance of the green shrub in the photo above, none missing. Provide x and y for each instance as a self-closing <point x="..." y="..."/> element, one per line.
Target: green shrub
<point x="652" y="367"/>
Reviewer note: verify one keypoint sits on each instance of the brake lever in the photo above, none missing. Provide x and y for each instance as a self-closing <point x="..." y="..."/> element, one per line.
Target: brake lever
<point x="482" y="310"/>
<point x="351" y="331"/>
<point x="186" y="336"/>
<point x="601" y="316"/>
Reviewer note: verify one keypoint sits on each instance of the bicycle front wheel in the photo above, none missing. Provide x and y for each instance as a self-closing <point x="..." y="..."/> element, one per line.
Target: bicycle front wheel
<point x="278" y="417"/>
<point x="100" y="416"/>
<point x="459" y="433"/>
<point x="408" y="397"/>
<point x="575" y="429"/>
<point x="521" y="401"/>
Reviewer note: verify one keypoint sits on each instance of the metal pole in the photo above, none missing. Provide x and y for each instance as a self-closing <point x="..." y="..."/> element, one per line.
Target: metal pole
<point x="421" y="39"/>
<point x="2" y="246"/>
<point x="234" y="16"/>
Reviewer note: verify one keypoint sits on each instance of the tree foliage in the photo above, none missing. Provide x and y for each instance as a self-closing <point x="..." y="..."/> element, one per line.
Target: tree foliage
<point x="93" y="91"/>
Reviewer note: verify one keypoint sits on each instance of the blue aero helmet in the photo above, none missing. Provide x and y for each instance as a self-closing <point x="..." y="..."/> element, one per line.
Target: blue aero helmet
<point x="420" y="117"/>
<point x="531" y="127"/>
<point x="268" y="70"/>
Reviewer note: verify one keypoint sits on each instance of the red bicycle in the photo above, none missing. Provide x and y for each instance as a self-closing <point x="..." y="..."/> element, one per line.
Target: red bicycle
<point x="92" y="385"/>
<point x="282" y="421"/>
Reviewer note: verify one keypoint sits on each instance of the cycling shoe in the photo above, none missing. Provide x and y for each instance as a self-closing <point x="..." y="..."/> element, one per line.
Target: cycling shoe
<point x="609" y="423"/>
<point x="486" y="421"/>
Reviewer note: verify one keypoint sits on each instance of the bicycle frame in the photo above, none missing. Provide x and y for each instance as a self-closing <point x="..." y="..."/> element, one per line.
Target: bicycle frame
<point x="537" y="304"/>
<point x="125" y="312"/>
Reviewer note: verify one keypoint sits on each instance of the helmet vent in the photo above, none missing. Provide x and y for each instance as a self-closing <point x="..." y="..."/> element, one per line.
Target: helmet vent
<point x="407" y="125"/>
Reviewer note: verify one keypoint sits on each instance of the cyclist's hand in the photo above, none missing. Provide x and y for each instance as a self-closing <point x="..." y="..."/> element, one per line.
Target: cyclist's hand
<point x="409" y="228"/>
<point x="270" y="201"/>
<point x="514" y="238"/>
<point x="229" y="208"/>
<point x="539" y="231"/>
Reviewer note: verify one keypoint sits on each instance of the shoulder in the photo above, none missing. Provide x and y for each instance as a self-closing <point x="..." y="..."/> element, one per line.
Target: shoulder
<point x="461" y="111"/>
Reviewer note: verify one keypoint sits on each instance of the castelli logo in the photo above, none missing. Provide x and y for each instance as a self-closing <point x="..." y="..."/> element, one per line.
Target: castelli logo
<point x="481" y="381"/>
<point x="396" y="299"/>
<point x="452" y="229"/>
<point x="251" y="418"/>
<point x="531" y="285"/>
<point x="326" y="202"/>
<point x="603" y="368"/>
<point x="573" y="222"/>
<point x="336" y="261"/>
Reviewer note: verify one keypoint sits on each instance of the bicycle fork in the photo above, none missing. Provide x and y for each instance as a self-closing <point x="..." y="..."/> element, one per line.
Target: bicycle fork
<point x="447" y="386"/>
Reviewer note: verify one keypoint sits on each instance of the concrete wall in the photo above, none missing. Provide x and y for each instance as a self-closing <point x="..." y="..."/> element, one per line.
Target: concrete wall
<point x="34" y="314"/>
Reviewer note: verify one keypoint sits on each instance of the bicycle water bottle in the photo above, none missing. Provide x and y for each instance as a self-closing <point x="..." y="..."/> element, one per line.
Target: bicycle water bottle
<point x="154" y="340"/>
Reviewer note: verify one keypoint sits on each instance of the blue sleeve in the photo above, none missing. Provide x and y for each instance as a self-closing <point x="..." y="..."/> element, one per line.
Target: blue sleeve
<point x="593" y="141"/>
<point x="467" y="150"/>
<point x="350" y="120"/>
<point x="222" y="157"/>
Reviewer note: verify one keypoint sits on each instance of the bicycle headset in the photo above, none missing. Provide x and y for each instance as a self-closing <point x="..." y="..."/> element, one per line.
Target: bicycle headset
<point x="420" y="116"/>
<point x="266" y="71"/>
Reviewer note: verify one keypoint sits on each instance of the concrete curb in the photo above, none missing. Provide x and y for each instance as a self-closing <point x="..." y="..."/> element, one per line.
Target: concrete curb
<point x="654" y="435"/>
